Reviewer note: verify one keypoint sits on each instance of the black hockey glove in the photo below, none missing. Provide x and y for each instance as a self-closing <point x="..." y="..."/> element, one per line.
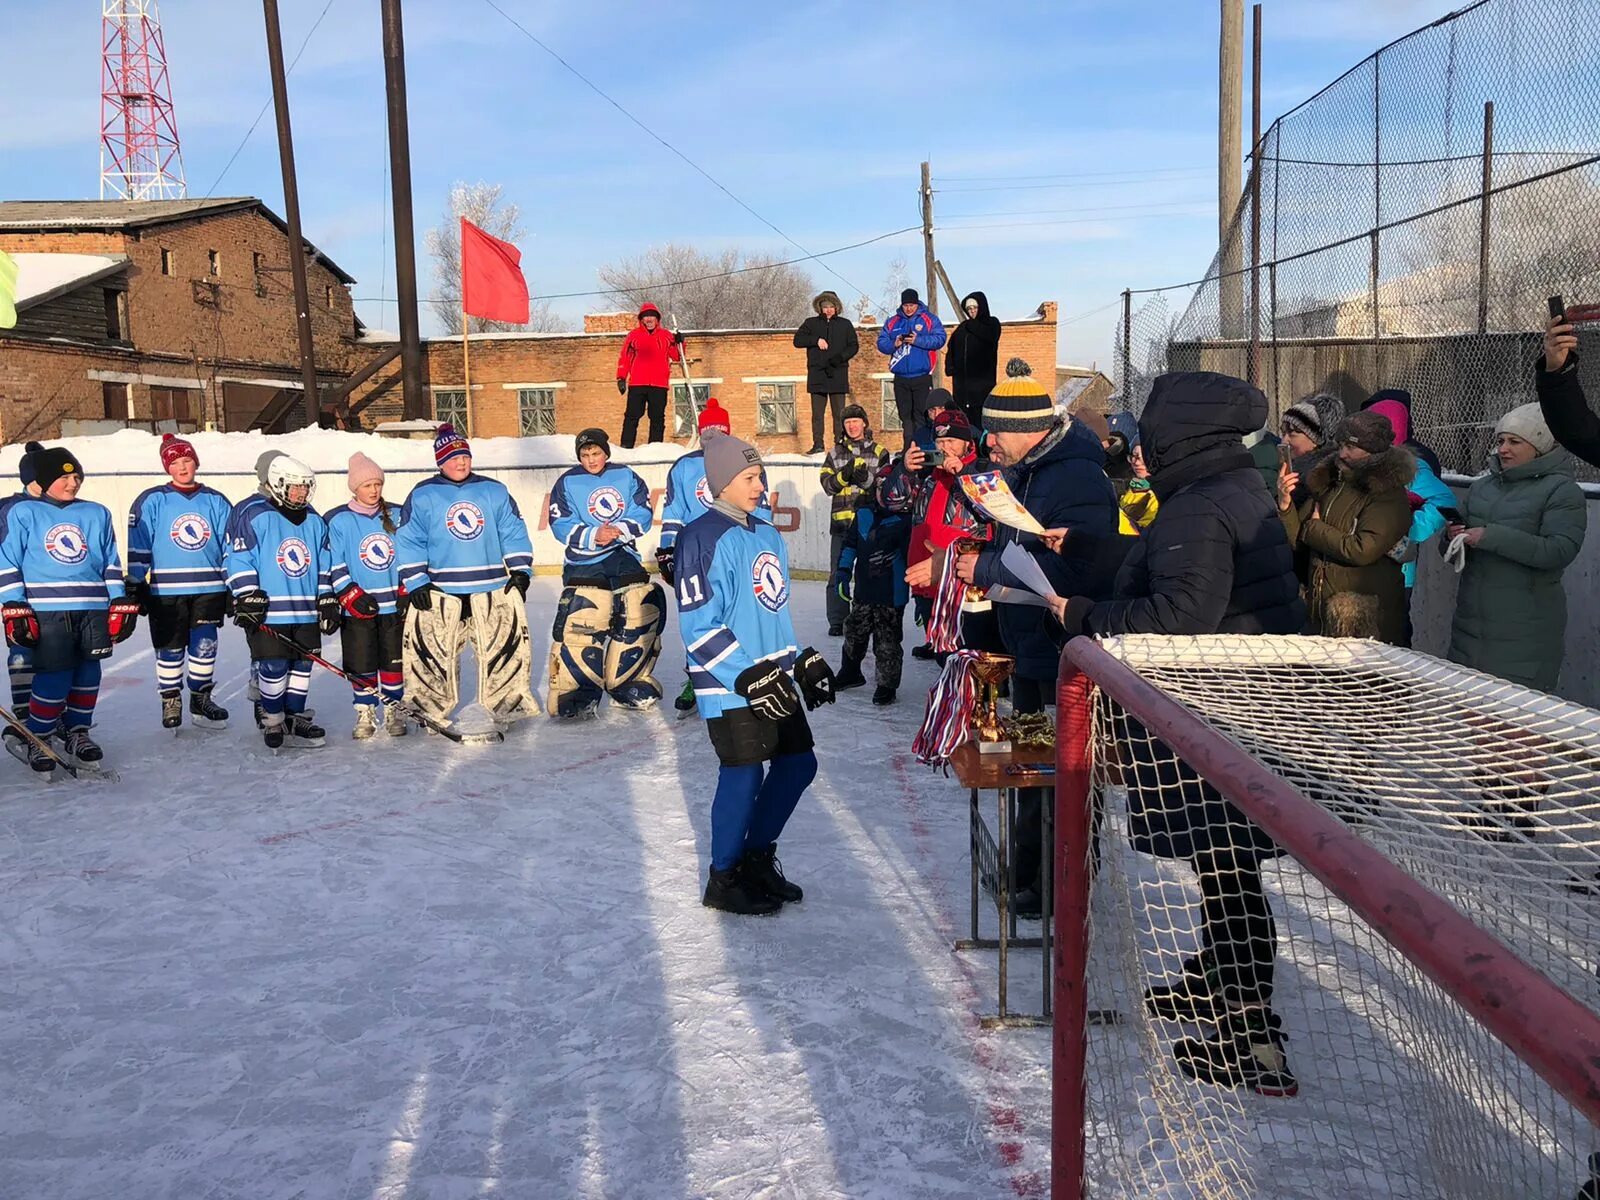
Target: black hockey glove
<point x="815" y="677"/>
<point x="769" y="690"/>
<point x="328" y="612"/>
<point x="250" y="609"/>
<point x="677" y="338"/>
<point x="22" y="624"/>
<point x="622" y="387"/>
<point x="139" y="592"/>
<point x="664" y="565"/>
<point x="421" y="599"/>
<point x="520" y="581"/>
<point x="357" y="603"/>
<point x="121" y="617"/>
<point x="841" y="584"/>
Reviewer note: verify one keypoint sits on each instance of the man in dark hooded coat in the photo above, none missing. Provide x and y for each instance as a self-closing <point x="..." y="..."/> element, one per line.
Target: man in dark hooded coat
<point x="973" y="356"/>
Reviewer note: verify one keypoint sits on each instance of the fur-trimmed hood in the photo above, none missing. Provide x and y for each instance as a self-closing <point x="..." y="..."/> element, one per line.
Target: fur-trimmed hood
<point x="827" y="298"/>
<point x="1391" y="471"/>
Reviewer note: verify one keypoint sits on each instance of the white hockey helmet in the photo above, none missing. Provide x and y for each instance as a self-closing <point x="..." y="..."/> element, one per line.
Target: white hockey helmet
<point x="283" y="473"/>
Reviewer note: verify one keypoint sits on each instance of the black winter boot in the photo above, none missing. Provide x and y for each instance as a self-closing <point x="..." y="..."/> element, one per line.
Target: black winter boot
<point x="730" y="892"/>
<point x="883" y="695"/>
<point x="849" y="675"/>
<point x="762" y="870"/>
<point x="1247" y="1052"/>
<point x="925" y="652"/>
<point x="1193" y="996"/>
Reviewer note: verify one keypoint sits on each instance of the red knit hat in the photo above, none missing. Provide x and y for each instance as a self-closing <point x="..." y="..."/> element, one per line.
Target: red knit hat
<point x="714" y="416"/>
<point x="173" y="448"/>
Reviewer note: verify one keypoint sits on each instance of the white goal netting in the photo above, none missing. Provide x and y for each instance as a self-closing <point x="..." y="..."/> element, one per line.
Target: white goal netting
<point x="1287" y="1050"/>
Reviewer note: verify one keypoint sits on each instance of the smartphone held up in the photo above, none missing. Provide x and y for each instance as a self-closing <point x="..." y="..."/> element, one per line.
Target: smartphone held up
<point x="1574" y="314"/>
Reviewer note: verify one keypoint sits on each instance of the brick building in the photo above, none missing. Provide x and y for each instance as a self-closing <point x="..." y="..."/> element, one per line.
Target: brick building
<point x="539" y="383"/>
<point x="162" y="314"/>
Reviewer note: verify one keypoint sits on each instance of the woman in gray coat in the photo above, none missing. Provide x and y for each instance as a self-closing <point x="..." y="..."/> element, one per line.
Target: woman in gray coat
<point x="1525" y="522"/>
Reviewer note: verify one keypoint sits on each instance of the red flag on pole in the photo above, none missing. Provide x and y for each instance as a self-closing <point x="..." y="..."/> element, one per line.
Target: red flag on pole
<point x="492" y="286"/>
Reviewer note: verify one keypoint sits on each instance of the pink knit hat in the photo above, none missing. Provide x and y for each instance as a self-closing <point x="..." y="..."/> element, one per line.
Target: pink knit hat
<point x="363" y="470"/>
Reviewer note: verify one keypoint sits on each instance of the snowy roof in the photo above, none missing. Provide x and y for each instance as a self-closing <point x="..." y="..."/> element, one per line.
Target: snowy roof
<point x="42" y="277"/>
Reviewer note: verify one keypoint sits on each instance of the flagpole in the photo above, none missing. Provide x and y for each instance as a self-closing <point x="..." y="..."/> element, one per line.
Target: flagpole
<point x="466" y="354"/>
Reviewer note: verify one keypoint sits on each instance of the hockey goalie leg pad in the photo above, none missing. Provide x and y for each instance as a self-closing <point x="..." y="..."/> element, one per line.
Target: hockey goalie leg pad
<point x="578" y="650"/>
<point x="499" y="632"/>
<point x="638" y="613"/>
<point x="432" y="654"/>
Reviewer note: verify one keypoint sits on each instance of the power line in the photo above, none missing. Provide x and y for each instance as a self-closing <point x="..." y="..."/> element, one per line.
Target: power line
<point x="1075" y="175"/>
<point x="1064" y="221"/>
<point x="248" y="133"/>
<point x="597" y="90"/>
<point x="1029" y="187"/>
<point x="669" y="283"/>
<point x="1049" y="212"/>
<point x="1093" y="312"/>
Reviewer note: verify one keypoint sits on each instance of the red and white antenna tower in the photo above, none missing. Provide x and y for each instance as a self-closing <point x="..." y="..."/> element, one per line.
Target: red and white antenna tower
<point x="140" y="158"/>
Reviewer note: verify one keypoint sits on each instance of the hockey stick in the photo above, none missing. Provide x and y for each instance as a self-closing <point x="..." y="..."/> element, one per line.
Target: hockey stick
<point x="405" y="706"/>
<point x="688" y="383"/>
<point x="33" y="739"/>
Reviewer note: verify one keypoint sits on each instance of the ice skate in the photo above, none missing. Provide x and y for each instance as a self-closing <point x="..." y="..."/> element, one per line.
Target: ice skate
<point x="1191" y="997"/>
<point x="303" y="733"/>
<point x="394" y="721"/>
<point x="39" y="759"/>
<point x="730" y="892"/>
<point x="637" y="697"/>
<point x="272" y="728"/>
<point x="366" y="722"/>
<point x="171" y="710"/>
<point x="82" y="748"/>
<point x="685" y="703"/>
<point x="1247" y="1052"/>
<point x="206" y="713"/>
<point x="16" y="744"/>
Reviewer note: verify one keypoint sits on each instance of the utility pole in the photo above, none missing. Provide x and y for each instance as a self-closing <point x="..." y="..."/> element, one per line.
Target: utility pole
<point x="405" y="248"/>
<point x="1230" y="89"/>
<point x="931" y="296"/>
<point x="291" y="205"/>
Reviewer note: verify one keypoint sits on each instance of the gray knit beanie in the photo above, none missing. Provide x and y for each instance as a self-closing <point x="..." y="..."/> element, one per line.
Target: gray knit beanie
<point x="1317" y="417"/>
<point x="726" y="457"/>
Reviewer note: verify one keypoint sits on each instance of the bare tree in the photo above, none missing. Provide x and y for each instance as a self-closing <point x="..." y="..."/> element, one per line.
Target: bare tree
<point x="485" y="205"/>
<point x="730" y="290"/>
<point x="895" y="281"/>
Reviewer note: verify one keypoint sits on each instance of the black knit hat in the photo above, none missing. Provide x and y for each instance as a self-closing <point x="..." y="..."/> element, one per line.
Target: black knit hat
<point x="909" y="296"/>
<point x="53" y="463"/>
<point x="25" y="468"/>
<point x="592" y="437"/>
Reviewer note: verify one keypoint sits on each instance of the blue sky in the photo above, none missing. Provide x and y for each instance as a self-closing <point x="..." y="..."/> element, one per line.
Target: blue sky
<point x="816" y="115"/>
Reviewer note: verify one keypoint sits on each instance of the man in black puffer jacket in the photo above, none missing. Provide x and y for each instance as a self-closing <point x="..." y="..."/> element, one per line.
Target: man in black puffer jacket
<point x="1215" y="560"/>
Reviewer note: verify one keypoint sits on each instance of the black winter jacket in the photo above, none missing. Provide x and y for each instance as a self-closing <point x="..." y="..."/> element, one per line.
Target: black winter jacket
<point x="827" y="371"/>
<point x="1062" y="483"/>
<point x="1566" y="410"/>
<point x="974" y="350"/>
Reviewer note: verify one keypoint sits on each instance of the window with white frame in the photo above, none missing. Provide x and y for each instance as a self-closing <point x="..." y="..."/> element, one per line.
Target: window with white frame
<point x="775" y="408"/>
<point x="536" y="411"/>
<point x="451" y="406"/>
<point x="684" y="413"/>
<point x="891" y="414"/>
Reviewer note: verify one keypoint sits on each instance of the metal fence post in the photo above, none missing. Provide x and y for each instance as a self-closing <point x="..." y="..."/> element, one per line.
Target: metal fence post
<point x="1484" y="215"/>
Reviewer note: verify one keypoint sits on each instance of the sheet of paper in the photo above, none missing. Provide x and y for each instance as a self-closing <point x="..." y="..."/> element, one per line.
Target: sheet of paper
<point x="1021" y="564"/>
<point x="992" y="496"/>
<point x="1001" y="594"/>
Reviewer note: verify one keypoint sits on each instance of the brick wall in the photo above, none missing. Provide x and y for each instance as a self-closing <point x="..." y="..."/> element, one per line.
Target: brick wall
<point x="586" y="365"/>
<point x="41" y="385"/>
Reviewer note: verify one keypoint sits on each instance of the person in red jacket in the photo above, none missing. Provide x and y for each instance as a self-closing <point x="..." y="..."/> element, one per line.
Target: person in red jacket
<point x="941" y="512"/>
<point x="644" y="369"/>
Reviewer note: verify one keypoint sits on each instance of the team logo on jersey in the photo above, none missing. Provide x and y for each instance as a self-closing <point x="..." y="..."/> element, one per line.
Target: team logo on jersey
<point x="606" y="503"/>
<point x="294" y="557"/>
<point x="464" y="520"/>
<point x="66" y="544"/>
<point x="377" y="551"/>
<point x="771" y="588"/>
<point x="191" y="531"/>
<point x="702" y="492"/>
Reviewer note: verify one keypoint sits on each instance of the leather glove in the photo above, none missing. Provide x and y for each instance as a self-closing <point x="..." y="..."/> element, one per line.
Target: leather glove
<point x="328" y="612"/>
<point x="677" y="338"/>
<point x="769" y="691"/>
<point x="520" y="581"/>
<point x="22" y="624"/>
<point x="250" y="609"/>
<point x="121" y="618"/>
<point x="664" y="557"/>
<point x="815" y="677"/>
<point x="139" y="592"/>
<point x="841" y="583"/>
<point x="622" y="387"/>
<point x="357" y="603"/>
<point x="422" y="598"/>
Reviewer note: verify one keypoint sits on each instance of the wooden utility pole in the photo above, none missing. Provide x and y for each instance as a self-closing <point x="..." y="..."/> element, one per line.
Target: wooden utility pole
<point x="291" y="215"/>
<point x="931" y="296"/>
<point x="405" y="249"/>
<point x="1230" y="90"/>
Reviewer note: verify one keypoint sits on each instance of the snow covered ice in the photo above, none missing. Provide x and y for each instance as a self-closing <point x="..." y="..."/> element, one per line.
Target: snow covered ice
<point x="404" y="969"/>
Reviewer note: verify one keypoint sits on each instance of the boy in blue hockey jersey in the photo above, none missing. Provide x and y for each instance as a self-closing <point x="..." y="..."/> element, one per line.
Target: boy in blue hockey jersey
<point x="366" y="581"/>
<point x="175" y="547"/>
<point x="277" y="569"/>
<point x="465" y="564"/>
<point x="61" y="595"/>
<point x="19" y="659"/>
<point x="607" y="633"/>
<point x="871" y="575"/>
<point x="733" y="612"/>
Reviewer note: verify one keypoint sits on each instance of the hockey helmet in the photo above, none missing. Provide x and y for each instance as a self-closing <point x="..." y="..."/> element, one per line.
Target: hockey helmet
<point x="284" y="473"/>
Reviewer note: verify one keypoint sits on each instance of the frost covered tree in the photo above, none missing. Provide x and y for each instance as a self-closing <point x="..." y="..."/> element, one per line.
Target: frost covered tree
<point x="733" y="289"/>
<point x="485" y="205"/>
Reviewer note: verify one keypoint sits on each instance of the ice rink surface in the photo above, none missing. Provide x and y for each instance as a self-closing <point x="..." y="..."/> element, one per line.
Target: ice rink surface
<point x="413" y="970"/>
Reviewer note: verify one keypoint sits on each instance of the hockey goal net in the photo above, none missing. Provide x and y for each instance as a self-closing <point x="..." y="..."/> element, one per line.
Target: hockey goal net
<point x="1428" y="976"/>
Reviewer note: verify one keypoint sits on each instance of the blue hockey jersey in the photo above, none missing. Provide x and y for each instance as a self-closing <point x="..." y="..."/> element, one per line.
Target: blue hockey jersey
<point x="461" y="537"/>
<point x="580" y="503"/>
<point x="176" y="540"/>
<point x="59" y="557"/>
<point x="687" y="496"/>
<point x="289" y="562"/>
<point x="733" y="604"/>
<point x="361" y="551"/>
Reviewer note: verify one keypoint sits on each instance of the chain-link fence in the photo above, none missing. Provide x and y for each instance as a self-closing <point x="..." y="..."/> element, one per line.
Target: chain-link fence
<point x="1403" y="229"/>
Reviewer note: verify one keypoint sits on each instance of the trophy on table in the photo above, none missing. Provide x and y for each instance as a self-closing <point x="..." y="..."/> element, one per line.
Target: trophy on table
<point x="991" y="670"/>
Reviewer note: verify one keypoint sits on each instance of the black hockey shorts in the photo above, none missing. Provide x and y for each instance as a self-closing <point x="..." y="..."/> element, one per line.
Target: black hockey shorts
<point x="373" y="645"/>
<point x="742" y="739"/>
<point x="172" y="617"/>
<point x="69" y="638"/>
<point x="264" y="645"/>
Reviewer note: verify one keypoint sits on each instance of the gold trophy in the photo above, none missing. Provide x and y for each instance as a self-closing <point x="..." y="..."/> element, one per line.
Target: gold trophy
<point x="970" y="546"/>
<point x="991" y="670"/>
